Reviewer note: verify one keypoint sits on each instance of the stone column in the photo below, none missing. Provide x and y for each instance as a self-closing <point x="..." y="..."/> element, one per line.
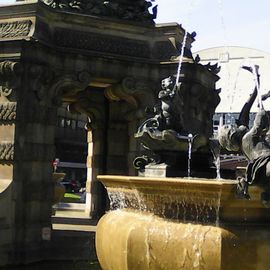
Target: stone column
<point x="28" y="120"/>
<point x="34" y="152"/>
<point x="134" y="96"/>
<point x="27" y="149"/>
<point x="89" y="164"/>
<point x="9" y="77"/>
<point x="98" y="193"/>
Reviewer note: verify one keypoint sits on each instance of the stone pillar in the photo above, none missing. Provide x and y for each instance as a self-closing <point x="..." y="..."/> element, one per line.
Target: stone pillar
<point x="117" y="141"/>
<point x="34" y="152"/>
<point x="133" y="96"/>
<point x="89" y="164"/>
<point x="98" y="192"/>
<point x="8" y="106"/>
<point x="27" y="150"/>
<point x="96" y="196"/>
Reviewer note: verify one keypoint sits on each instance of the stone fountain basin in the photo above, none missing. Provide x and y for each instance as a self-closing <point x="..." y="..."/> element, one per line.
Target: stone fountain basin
<point x="179" y="223"/>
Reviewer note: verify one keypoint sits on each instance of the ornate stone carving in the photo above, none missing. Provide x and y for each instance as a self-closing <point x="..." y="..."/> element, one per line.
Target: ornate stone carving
<point x="6" y="151"/>
<point x="137" y="94"/>
<point x="40" y="79"/>
<point x="8" y="111"/>
<point x="136" y="10"/>
<point x="15" y="29"/>
<point x="8" y="70"/>
<point x="9" y="78"/>
<point x="101" y="43"/>
<point x="67" y="86"/>
<point x="93" y="110"/>
<point x="5" y="92"/>
<point x="51" y="87"/>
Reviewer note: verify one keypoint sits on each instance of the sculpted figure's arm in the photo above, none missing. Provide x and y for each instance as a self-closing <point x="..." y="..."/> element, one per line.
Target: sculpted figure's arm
<point x="243" y="119"/>
<point x="261" y="124"/>
<point x="253" y="143"/>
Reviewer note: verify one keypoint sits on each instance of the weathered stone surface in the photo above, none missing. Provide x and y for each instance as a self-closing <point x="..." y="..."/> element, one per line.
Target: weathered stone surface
<point x="106" y="69"/>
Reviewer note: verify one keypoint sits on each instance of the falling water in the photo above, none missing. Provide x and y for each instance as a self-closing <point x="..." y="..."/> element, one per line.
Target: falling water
<point x="190" y="7"/>
<point x="215" y="149"/>
<point x="218" y="208"/>
<point x="190" y="140"/>
<point x="235" y="87"/>
<point x="217" y="163"/>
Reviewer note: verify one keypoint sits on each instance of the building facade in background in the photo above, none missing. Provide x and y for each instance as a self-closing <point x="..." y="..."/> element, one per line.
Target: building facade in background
<point x="236" y="83"/>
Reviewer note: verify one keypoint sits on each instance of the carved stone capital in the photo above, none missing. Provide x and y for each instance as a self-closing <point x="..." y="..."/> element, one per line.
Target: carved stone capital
<point x="9" y="78"/>
<point x="6" y="151"/>
<point x="51" y="86"/>
<point x="85" y="105"/>
<point x="137" y="94"/>
<point x="40" y="78"/>
<point x="9" y="72"/>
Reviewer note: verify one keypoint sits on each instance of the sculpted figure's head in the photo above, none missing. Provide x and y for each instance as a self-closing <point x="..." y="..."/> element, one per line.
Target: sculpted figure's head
<point x="168" y="83"/>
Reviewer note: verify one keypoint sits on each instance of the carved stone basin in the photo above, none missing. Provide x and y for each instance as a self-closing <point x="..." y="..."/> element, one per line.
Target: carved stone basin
<point x="178" y="223"/>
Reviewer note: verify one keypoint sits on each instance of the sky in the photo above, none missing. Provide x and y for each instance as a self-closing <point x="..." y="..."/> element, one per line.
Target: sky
<point x="218" y="22"/>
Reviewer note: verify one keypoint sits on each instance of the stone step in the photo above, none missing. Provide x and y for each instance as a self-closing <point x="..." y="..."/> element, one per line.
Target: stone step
<point x="74" y="220"/>
<point x="69" y="207"/>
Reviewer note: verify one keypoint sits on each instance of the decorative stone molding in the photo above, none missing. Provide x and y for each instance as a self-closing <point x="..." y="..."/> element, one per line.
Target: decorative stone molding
<point x="9" y="70"/>
<point x="50" y="86"/>
<point x="12" y="29"/>
<point x="9" y="78"/>
<point x="67" y="86"/>
<point x="8" y="111"/>
<point x="101" y="43"/>
<point x="136" y="10"/>
<point x="137" y="94"/>
<point x="6" y="151"/>
<point x="40" y="79"/>
<point x="164" y="50"/>
<point x="94" y="111"/>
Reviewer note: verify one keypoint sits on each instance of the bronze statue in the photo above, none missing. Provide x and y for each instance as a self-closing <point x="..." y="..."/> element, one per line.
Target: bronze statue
<point x="183" y="108"/>
<point x="253" y="144"/>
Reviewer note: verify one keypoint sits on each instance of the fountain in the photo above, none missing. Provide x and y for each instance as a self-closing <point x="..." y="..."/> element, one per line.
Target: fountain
<point x="176" y="214"/>
<point x="181" y="125"/>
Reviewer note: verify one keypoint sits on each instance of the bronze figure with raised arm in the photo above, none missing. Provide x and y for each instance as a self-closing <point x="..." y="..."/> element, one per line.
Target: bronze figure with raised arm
<point x="252" y="143"/>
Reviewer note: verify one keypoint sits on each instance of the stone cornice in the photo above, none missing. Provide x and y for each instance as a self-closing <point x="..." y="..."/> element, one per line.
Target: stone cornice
<point x="92" y="35"/>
